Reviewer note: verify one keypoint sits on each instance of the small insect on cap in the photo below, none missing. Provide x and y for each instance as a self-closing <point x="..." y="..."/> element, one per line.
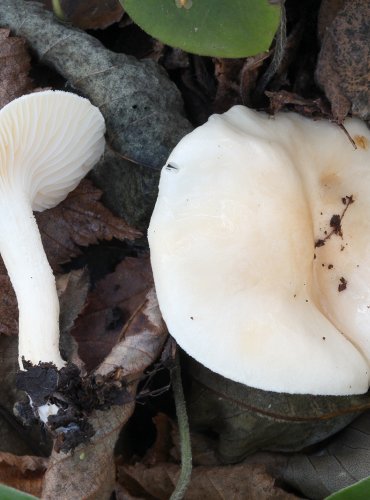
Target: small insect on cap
<point x="241" y="282"/>
<point x="48" y="142"/>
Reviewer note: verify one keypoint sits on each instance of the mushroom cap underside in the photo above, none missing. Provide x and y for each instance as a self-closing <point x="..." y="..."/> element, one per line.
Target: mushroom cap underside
<point x="48" y="142"/>
<point x="260" y="248"/>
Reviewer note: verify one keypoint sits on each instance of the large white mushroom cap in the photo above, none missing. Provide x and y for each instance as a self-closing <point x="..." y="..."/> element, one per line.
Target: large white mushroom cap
<point x="241" y="285"/>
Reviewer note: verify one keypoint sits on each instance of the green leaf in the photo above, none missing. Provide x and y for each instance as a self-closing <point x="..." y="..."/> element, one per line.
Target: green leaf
<point x="7" y="493"/>
<point x="208" y="27"/>
<point x="358" y="491"/>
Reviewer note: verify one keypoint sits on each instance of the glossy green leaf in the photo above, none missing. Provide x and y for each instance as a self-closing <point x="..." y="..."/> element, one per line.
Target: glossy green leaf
<point x="358" y="491"/>
<point x="7" y="493"/>
<point x="208" y="27"/>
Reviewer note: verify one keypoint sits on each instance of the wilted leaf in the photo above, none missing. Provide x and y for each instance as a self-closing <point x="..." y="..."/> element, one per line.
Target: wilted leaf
<point x="142" y="108"/>
<point x="80" y="220"/>
<point x="110" y="306"/>
<point x="247" y="419"/>
<point x="90" y="471"/>
<point x="24" y="473"/>
<point x="15" y="64"/>
<point x="237" y="482"/>
<point x="210" y="27"/>
<point x="343" y="68"/>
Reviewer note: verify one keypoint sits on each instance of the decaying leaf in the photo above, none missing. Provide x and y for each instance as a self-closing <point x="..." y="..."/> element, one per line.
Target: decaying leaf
<point x="236" y="481"/>
<point x="80" y="220"/>
<point x="72" y="289"/>
<point x="156" y="474"/>
<point x="246" y="419"/>
<point x="110" y="305"/>
<point x="24" y="473"/>
<point x="15" y="64"/>
<point x="89" y="471"/>
<point x="343" y="68"/>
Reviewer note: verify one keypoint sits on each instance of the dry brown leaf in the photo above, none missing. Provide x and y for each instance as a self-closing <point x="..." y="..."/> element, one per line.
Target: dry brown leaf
<point x="167" y="448"/>
<point x="15" y="63"/>
<point x="80" y="220"/>
<point x="110" y="305"/>
<point x="72" y="291"/>
<point x="90" y="471"/>
<point x="343" y="68"/>
<point x="24" y="473"/>
<point x="238" y="482"/>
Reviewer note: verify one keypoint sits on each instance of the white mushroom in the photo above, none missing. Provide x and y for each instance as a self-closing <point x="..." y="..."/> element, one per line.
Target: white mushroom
<point x="48" y="142"/>
<point x="260" y="248"/>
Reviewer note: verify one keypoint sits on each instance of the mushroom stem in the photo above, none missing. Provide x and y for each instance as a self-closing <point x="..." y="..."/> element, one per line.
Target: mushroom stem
<point x="32" y="278"/>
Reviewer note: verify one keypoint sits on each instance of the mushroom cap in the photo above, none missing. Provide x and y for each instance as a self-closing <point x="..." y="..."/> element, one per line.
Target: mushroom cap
<point x="48" y="142"/>
<point x="242" y="287"/>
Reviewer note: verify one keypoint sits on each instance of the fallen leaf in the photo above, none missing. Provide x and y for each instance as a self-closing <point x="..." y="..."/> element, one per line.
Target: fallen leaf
<point x="80" y="220"/>
<point x="343" y="68"/>
<point x="327" y="12"/>
<point x="15" y="64"/>
<point x="207" y="483"/>
<point x="109" y="307"/>
<point x="24" y="473"/>
<point x="160" y="450"/>
<point x="72" y="289"/>
<point x="246" y="420"/>
<point x="89" y="472"/>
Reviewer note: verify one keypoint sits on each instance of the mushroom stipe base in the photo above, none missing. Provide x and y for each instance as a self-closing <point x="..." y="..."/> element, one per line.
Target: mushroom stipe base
<point x="75" y="396"/>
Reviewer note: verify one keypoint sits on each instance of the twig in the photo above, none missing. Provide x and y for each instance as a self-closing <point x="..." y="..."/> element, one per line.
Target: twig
<point x="280" y="44"/>
<point x="183" y="423"/>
